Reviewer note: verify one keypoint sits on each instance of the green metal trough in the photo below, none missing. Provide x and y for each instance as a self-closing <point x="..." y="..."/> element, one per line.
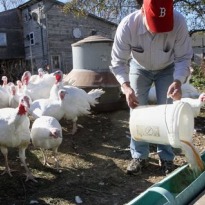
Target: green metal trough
<point x="179" y="188"/>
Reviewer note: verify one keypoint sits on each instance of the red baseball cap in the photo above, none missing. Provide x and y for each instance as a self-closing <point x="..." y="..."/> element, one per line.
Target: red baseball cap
<point x="159" y="15"/>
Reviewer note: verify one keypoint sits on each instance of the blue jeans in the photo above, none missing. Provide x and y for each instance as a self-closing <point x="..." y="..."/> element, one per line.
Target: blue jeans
<point x="141" y="81"/>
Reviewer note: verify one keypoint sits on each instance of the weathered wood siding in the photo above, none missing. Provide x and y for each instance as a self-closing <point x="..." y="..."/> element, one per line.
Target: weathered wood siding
<point x="53" y="33"/>
<point x="38" y="51"/>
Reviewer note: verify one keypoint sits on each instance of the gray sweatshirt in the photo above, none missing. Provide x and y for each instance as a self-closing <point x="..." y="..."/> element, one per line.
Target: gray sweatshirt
<point x="151" y="51"/>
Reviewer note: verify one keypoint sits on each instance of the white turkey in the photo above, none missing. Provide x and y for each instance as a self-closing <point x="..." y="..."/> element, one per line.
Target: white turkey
<point x="4" y="98"/>
<point x="46" y="133"/>
<point x="59" y="84"/>
<point x="38" y="89"/>
<point x="15" y="132"/>
<point x="196" y="104"/>
<point x="19" y="87"/>
<point x="188" y="91"/>
<point x="48" y="107"/>
<point x="77" y="102"/>
<point x="13" y="97"/>
<point x="37" y="77"/>
<point x="6" y="85"/>
<point x="5" y="82"/>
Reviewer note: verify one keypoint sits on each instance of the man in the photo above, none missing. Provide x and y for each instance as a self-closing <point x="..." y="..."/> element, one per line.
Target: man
<point x="151" y="45"/>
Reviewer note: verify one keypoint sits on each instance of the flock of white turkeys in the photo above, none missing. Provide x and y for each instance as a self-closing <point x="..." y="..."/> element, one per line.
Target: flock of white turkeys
<point x="46" y="99"/>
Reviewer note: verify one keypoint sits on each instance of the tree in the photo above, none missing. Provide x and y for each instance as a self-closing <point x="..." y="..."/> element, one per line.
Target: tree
<point x="115" y="10"/>
<point x="10" y="4"/>
<point x="193" y="11"/>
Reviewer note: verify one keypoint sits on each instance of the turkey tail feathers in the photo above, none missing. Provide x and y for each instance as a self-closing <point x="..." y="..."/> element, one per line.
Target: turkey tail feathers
<point x="94" y="94"/>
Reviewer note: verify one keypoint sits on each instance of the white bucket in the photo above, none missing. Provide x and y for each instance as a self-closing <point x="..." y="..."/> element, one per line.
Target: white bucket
<point x="163" y="124"/>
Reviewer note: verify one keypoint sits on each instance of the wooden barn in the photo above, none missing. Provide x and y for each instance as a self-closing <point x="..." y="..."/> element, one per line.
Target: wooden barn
<point x="49" y="32"/>
<point x="39" y="34"/>
<point x="12" y="52"/>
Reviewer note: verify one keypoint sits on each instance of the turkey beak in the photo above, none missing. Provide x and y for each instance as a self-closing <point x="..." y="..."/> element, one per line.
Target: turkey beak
<point x="55" y="133"/>
<point x="62" y="94"/>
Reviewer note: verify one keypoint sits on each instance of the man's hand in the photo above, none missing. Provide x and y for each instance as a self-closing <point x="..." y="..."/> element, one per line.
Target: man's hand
<point x="174" y="90"/>
<point x="130" y="95"/>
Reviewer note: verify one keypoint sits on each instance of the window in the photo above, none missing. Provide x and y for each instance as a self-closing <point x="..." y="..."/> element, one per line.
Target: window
<point x="34" y="16"/>
<point x="31" y="38"/>
<point x="27" y="15"/>
<point x="56" y="64"/>
<point x="3" y="40"/>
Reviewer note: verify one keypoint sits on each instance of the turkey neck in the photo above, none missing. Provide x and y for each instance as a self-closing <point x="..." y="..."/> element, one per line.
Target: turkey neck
<point x="22" y="110"/>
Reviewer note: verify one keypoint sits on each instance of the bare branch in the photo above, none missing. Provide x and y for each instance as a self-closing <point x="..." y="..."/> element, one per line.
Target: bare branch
<point x="115" y="10"/>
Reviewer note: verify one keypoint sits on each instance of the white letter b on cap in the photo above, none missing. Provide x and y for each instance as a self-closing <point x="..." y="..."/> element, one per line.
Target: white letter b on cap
<point x="162" y="12"/>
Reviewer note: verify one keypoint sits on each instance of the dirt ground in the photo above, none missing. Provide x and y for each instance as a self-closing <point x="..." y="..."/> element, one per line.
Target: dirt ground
<point x="93" y="166"/>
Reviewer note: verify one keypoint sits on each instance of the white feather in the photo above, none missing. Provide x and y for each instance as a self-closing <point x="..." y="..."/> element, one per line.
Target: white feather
<point x="47" y="107"/>
<point x="42" y="135"/>
<point x="78" y="102"/>
<point x="15" y="132"/>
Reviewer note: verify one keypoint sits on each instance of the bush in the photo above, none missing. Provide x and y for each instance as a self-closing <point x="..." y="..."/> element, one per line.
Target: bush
<point x="198" y="76"/>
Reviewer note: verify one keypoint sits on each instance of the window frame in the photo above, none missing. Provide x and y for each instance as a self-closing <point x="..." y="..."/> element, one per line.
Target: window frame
<point x="3" y="39"/>
<point x="32" y="38"/>
<point x="56" y="66"/>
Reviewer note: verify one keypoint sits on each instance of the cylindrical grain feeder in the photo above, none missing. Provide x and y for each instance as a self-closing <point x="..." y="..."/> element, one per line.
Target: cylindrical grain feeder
<point x="91" y="61"/>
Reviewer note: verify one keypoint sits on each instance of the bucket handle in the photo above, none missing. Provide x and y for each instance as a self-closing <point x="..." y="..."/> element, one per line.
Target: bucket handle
<point x="166" y="194"/>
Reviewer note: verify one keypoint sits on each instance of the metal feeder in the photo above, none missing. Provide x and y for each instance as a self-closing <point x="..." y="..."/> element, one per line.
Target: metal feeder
<point x="91" y="61"/>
